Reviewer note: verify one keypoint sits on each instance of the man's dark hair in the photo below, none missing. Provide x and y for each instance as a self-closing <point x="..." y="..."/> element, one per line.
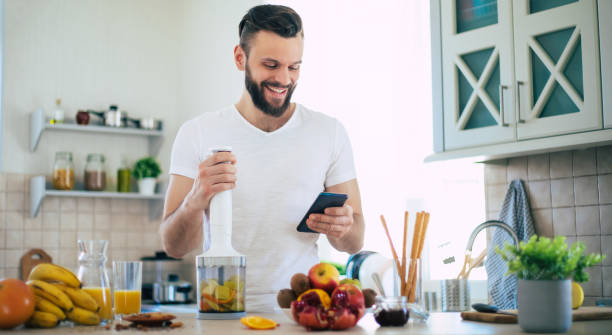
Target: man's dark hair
<point x="280" y="20"/>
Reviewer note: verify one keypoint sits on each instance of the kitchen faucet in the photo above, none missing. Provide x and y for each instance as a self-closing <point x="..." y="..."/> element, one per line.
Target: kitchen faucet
<point x="487" y="224"/>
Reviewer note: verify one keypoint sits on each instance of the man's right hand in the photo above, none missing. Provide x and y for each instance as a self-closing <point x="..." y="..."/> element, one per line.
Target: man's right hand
<point x="215" y="174"/>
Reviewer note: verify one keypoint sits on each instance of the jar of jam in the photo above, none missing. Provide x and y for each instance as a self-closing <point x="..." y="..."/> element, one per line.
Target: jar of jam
<point x="95" y="176"/>
<point x="63" y="171"/>
<point x="391" y="311"/>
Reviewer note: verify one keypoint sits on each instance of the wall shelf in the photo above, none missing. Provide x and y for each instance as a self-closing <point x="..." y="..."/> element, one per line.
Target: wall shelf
<point x="38" y="125"/>
<point x="39" y="189"/>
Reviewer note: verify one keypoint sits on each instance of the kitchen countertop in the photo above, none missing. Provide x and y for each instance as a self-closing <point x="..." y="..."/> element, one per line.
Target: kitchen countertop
<point x="439" y="323"/>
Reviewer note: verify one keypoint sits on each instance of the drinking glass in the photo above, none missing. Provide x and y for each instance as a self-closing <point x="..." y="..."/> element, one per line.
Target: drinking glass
<point x="127" y="283"/>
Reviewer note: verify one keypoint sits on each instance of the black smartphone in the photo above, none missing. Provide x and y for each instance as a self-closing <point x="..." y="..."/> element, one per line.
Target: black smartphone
<point x="324" y="200"/>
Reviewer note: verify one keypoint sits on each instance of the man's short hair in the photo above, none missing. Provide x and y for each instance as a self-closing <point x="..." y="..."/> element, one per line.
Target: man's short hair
<point x="278" y="19"/>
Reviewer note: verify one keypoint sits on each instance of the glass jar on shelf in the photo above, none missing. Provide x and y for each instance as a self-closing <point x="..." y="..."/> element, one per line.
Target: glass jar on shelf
<point x="63" y="171"/>
<point x="95" y="175"/>
<point x="123" y="177"/>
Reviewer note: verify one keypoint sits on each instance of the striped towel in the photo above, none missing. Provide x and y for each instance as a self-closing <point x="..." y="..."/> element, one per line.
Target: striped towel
<point x="516" y="213"/>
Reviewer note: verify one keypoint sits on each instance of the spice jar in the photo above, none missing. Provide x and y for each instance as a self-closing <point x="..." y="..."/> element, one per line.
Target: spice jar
<point x="63" y="171"/>
<point x="95" y="176"/>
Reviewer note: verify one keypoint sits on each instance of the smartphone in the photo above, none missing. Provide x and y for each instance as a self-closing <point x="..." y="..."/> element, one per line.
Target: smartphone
<point x="324" y="200"/>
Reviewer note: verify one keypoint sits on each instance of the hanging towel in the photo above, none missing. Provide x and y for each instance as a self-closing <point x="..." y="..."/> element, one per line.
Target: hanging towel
<point x="516" y="213"/>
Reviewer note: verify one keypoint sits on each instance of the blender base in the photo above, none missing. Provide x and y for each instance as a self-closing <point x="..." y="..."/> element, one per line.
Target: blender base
<point x="220" y="316"/>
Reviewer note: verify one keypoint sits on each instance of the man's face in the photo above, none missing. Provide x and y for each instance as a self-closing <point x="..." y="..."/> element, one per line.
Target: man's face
<point x="272" y="70"/>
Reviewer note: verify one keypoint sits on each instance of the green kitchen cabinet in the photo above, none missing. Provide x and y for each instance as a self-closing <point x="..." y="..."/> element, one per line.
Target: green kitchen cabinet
<point x="605" y="47"/>
<point x="514" y="76"/>
<point x="477" y="69"/>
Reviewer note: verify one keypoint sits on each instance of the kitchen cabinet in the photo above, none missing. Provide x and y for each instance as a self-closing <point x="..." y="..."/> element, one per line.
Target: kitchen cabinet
<point x="514" y="75"/>
<point x="556" y="67"/>
<point x="605" y="47"/>
<point x="478" y="72"/>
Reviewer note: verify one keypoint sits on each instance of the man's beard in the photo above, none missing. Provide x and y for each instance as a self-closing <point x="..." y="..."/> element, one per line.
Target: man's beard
<point x="258" y="95"/>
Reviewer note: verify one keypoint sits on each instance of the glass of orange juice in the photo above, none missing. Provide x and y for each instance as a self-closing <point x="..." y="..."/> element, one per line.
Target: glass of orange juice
<point x="127" y="280"/>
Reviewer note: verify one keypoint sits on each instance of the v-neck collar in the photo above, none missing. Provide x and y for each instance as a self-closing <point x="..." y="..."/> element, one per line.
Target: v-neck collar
<point x="267" y="133"/>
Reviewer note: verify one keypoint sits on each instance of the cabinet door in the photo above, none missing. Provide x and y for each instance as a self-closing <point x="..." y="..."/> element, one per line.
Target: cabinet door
<point x="477" y="72"/>
<point x="556" y="67"/>
<point x="605" y="47"/>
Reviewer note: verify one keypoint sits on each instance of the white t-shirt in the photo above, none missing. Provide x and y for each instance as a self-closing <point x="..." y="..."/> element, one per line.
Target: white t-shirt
<point x="279" y="175"/>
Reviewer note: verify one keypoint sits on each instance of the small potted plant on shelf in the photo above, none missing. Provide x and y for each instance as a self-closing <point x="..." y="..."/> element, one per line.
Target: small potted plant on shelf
<point x="146" y="171"/>
<point x="544" y="269"/>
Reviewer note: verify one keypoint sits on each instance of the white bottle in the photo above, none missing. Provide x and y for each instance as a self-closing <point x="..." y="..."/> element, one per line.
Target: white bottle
<point x="58" y="114"/>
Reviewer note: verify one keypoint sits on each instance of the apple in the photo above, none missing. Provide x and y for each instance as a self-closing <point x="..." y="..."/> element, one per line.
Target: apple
<point x="324" y="276"/>
<point x="355" y="282"/>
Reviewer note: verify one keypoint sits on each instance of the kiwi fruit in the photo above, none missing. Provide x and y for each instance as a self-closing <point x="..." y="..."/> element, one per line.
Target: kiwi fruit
<point x="300" y="283"/>
<point x="285" y="297"/>
<point x="369" y="296"/>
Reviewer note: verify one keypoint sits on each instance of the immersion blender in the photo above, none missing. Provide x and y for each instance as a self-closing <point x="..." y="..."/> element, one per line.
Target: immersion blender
<point x="221" y="270"/>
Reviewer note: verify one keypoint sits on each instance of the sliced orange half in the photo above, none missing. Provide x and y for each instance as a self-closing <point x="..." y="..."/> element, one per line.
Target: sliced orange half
<point x="257" y="322"/>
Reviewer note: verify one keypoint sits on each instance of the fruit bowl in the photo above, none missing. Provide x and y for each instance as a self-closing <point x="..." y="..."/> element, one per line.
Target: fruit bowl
<point x="287" y="312"/>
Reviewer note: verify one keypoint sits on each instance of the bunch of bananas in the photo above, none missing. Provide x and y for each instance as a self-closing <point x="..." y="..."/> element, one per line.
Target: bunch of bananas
<point x="59" y="297"/>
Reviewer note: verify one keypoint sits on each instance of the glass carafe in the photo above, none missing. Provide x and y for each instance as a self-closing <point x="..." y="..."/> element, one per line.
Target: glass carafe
<point x="94" y="275"/>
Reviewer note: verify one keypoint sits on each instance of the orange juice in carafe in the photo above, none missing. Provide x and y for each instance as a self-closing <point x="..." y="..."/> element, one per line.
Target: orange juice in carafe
<point x="103" y="297"/>
<point x="127" y="302"/>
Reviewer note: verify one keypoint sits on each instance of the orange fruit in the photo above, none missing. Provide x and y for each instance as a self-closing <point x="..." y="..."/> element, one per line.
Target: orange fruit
<point x="257" y="322"/>
<point x="16" y="303"/>
<point x="323" y="296"/>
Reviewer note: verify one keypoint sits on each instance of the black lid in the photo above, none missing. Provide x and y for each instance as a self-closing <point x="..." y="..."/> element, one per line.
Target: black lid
<point x="172" y="277"/>
<point x="160" y="256"/>
<point x="113" y="107"/>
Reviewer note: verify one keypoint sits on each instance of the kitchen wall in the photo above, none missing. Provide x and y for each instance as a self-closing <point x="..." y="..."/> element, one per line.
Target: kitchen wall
<point x="62" y="221"/>
<point x="168" y="59"/>
<point x="570" y="193"/>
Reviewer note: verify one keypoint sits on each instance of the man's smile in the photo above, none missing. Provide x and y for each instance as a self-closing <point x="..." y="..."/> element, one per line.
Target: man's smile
<point x="276" y="92"/>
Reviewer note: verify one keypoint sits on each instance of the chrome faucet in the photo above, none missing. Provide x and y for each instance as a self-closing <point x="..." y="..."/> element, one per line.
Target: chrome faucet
<point x="487" y="224"/>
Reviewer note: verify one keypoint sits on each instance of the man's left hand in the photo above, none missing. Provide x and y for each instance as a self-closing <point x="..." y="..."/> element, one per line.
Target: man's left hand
<point x="336" y="222"/>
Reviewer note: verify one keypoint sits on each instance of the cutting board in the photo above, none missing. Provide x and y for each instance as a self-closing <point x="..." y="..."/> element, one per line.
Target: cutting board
<point x="585" y="313"/>
<point x="32" y="258"/>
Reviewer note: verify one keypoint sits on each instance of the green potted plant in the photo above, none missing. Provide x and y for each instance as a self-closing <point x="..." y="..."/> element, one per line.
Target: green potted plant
<point x="146" y="171"/>
<point x="544" y="269"/>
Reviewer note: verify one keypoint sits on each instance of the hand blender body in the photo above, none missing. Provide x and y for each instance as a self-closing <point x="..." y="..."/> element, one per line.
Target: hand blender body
<point x="221" y="270"/>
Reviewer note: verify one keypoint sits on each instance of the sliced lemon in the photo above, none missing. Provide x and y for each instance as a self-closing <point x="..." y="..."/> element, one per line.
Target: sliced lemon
<point x="257" y="322"/>
<point x="577" y="295"/>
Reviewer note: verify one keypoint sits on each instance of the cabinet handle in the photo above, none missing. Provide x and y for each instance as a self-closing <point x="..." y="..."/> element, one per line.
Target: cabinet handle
<point x="518" y="101"/>
<point x="501" y="105"/>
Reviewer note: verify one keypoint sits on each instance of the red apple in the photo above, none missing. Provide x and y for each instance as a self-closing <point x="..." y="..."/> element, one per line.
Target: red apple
<point x="324" y="276"/>
<point x="350" y="297"/>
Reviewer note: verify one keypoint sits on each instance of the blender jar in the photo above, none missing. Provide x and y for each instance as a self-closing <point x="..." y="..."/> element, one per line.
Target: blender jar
<point x="221" y="282"/>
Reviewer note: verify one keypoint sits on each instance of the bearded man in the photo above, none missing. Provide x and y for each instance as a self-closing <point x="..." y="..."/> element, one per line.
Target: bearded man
<point x="283" y="155"/>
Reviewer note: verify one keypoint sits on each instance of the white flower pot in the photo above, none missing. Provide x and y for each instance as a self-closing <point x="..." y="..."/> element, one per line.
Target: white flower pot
<point x="147" y="186"/>
<point x="545" y="306"/>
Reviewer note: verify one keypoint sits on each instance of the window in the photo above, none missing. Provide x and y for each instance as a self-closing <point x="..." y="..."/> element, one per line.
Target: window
<point x="368" y="64"/>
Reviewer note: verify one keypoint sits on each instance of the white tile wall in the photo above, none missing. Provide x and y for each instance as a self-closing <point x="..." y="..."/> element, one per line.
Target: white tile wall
<point x="570" y="193"/>
<point x="62" y="221"/>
